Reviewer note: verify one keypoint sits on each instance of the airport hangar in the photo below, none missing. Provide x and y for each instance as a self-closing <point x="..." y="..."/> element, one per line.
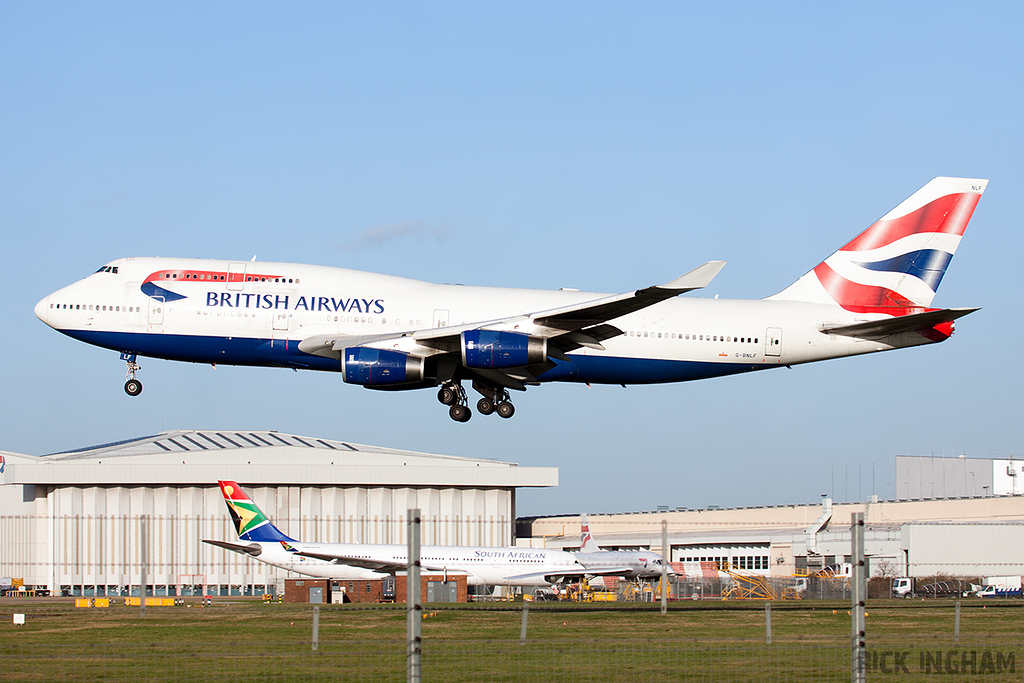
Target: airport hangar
<point x="951" y="516"/>
<point x="70" y="522"/>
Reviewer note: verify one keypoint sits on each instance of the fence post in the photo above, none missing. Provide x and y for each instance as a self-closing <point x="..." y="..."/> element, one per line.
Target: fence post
<point x="316" y="627"/>
<point x="522" y="629"/>
<point x="144" y="560"/>
<point x="666" y="555"/>
<point x="768" y="623"/>
<point x="858" y="595"/>
<point x="414" y="610"/>
<point x="956" y="624"/>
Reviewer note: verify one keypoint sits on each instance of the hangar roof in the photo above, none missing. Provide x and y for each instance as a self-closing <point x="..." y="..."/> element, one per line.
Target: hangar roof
<point x="263" y="457"/>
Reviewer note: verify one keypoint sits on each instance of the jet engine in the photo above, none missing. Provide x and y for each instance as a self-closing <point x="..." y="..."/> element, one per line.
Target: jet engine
<point x="492" y="349"/>
<point x="369" y="367"/>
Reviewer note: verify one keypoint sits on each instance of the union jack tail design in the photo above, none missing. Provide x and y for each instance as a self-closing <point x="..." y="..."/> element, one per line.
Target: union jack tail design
<point x="587" y="542"/>
<point x="895" y="266"/>
<point x="250" y="522"/>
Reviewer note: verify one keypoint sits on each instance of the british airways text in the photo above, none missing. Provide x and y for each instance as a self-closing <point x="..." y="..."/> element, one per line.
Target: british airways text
<point x="303" y="303"/>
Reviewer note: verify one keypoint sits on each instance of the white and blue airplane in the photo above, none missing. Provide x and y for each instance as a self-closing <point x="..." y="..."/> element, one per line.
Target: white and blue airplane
<point x="392" y="333"/>
<point x="483" y="566"/>
<point x="633" y="564"/>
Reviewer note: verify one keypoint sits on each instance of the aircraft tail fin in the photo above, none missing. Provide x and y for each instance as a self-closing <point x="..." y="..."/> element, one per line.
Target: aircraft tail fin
<point x="896" y="265"/>
<point x="587" y="542"/>
<point x="250" y="522"/>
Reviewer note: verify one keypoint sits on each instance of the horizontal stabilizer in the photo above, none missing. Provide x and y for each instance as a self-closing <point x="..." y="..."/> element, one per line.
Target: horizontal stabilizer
<point x="253" y="549"/>
<point x="879" y="329"/>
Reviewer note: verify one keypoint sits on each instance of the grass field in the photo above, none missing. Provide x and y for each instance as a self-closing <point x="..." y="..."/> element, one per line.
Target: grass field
<point x="246" y="640"/>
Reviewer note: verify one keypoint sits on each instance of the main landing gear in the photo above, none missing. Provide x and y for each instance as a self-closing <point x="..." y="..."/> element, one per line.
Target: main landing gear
<point x="495" y="400"/>
<point x="132" y="386"/>
<point x="452" y="394"/>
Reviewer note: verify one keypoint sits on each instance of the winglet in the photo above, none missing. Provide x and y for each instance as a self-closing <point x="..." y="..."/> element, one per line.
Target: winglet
<point x="698" y="278"/>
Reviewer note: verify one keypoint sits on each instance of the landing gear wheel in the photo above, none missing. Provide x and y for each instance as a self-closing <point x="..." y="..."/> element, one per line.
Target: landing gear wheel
<point x="506" y="409"/>
<point x="485" y="406"/>
<point x="460" y="413"/>
<point x="133" y="387"/>
<point x="447" y="395"/>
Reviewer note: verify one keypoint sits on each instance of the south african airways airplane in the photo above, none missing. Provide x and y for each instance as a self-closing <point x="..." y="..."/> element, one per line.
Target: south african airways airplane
<point x="483" y="566"/>
<point x="392" y="333"/>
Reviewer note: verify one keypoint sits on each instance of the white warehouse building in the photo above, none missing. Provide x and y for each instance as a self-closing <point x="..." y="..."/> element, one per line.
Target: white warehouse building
<point x="977" y="536"/>
<point x="71" y="522"/>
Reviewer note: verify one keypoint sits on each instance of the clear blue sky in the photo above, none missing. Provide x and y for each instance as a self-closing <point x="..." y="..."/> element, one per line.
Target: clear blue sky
<point x="591" y="145"/>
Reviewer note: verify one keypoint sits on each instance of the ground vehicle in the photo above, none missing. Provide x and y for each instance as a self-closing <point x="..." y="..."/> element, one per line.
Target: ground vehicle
<point x="907" y="587"/>
<point x="999" y="592"/>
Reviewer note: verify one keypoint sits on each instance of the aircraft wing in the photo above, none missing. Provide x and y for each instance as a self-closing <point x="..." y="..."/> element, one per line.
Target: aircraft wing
<point x="575" y="571"/>
<point x="593" y="312"/>
<point x="588" y="313"/>
<point x="335" y="342"/>
<point x="253" y="549"/>
<point x="880" y="329"/>
<point x="583" y="324"/>
<point x="361" y="562"/>
<point x="365" y="562"/>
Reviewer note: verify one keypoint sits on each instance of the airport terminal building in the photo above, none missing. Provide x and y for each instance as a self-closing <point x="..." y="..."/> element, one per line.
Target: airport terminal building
<point x="951" y="516"/>
<point x="71" y="522"/>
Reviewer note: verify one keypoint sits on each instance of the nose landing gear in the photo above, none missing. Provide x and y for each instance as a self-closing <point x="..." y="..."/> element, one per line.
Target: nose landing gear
<point x="132" y="386"/>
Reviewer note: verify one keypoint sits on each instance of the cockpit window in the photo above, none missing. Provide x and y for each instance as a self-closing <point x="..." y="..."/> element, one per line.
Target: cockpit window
<point x="107" y="269"/>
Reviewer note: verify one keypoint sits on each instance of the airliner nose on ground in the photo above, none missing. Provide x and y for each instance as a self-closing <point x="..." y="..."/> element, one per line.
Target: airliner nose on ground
<point x="42" y="309"/>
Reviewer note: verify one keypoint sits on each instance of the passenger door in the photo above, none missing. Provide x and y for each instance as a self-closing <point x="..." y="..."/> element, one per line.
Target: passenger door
<point x="773" y="342"/>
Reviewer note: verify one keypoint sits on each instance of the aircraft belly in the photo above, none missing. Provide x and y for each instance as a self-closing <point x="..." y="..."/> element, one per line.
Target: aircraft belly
<point x="204" y="349"/>
<point x="622" y="370"/>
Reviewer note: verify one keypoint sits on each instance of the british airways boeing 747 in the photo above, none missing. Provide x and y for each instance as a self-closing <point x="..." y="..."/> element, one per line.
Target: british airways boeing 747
<point x="392" y="333"/>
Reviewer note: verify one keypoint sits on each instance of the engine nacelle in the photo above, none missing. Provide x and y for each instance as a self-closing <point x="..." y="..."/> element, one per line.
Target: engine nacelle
<point x="370" y="367"/>
<point x="491" y="349"/>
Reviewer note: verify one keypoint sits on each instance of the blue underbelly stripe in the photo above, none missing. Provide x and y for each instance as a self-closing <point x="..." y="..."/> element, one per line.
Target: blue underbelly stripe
<point x="267" y="353"/>
<point x="201" y="349"/>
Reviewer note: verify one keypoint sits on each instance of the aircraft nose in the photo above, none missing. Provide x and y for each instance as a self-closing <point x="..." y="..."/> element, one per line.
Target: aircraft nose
<point x="42" y="309"/>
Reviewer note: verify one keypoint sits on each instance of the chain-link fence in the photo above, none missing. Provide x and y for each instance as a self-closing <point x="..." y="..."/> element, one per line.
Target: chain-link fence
<point x="450" y="661"/>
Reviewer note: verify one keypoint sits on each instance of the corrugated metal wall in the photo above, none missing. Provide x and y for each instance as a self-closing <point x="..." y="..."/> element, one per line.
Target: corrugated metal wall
<point x="91" y="536"/>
